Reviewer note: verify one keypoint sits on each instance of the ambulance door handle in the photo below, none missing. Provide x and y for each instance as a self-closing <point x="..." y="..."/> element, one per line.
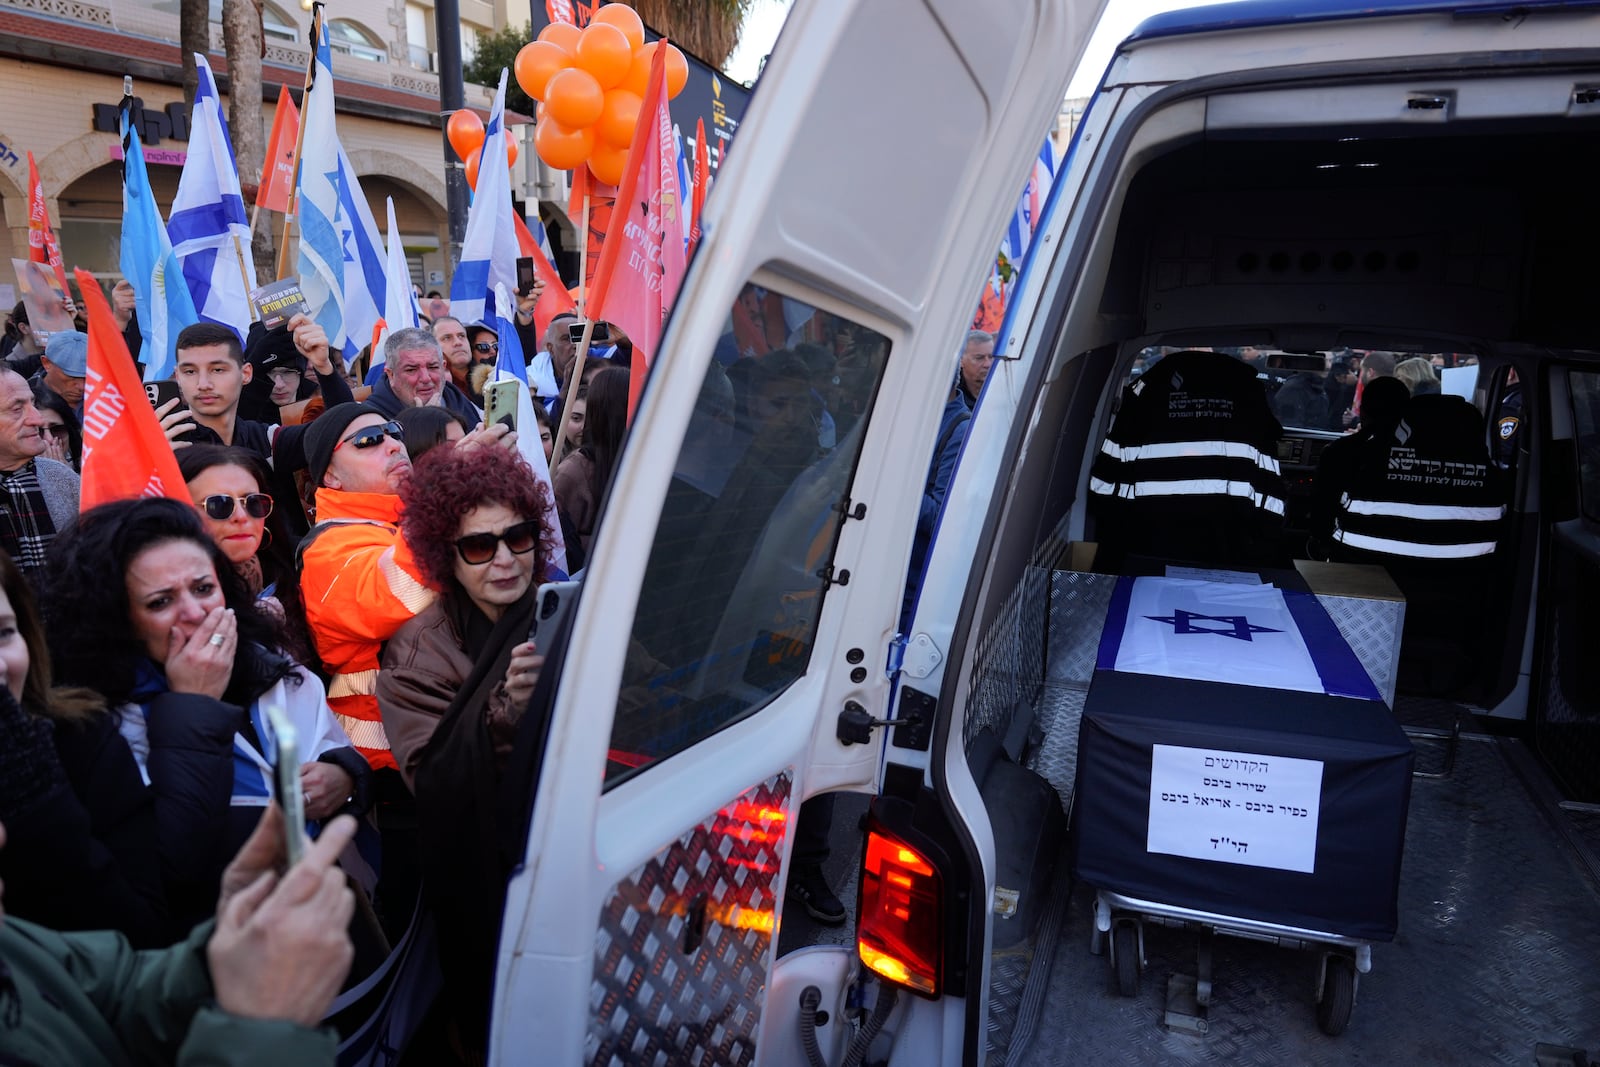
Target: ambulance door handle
<point x="694" y="924"/>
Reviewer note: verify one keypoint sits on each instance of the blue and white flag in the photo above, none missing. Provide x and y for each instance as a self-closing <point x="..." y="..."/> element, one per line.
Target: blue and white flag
<point x="684" y="182"/>
<point x="322" y="250"/>
<point x="209" y="228"/>
<point x="365" y="270"/>
<point x="489" y="248"/>
<point x="400" y="300"/>
<point x="508" y="366"/>
<point x="161" y="296"/>
<point x="1256" y="635"/>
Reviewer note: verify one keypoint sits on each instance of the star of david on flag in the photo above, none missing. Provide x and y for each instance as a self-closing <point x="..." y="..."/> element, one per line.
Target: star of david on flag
<point x="1236" y="626"/>
<point x="1256" y="635"/>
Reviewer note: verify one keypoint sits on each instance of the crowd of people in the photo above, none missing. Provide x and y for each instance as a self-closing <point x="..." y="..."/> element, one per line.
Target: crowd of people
<point x="358" y="555"/>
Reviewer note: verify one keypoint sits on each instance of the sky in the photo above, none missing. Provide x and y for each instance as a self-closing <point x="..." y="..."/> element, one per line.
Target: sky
<point x="765" y="19"/>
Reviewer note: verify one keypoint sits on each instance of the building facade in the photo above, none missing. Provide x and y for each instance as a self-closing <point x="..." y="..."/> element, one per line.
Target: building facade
<point x="62" y="64"/>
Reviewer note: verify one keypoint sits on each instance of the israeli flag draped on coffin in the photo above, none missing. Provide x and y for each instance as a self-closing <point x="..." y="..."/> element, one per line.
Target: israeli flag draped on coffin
<point x="1239" y="634"/>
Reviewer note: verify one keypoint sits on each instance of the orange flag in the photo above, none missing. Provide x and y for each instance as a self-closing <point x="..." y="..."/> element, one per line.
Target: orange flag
<point x="555" y="299"/>
<point x="641" y="265"/>
<point x="702" y="181"/>
<point x="125" y="454"/>
<point x="277" y="174"/>
<point x="42" y="244"/>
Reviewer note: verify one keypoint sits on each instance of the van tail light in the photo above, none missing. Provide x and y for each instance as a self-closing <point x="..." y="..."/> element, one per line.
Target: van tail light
<point x="900" y="931"/>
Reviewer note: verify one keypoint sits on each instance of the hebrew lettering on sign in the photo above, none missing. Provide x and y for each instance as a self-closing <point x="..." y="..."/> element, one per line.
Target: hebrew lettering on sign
<point x="1235" y="807"/>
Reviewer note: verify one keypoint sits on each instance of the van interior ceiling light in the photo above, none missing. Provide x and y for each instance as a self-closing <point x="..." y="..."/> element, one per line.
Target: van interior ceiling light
<point x="901" y="921"/>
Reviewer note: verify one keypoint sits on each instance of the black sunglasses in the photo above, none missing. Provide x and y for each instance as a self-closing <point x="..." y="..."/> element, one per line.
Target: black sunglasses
<point x="371" y="435"/>
<point x="478" y="549"/>
<point x="220" y="507"/>
<point x="487" y="346"/>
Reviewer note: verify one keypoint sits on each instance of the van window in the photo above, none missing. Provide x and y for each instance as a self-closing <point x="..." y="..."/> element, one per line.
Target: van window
<point x="1317" y="390"/>
<point x="1584" y="387"/>
<point x="739" y="559"/>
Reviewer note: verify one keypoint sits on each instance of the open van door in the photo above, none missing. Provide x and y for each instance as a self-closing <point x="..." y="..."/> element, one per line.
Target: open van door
<point x="744" y="586"/>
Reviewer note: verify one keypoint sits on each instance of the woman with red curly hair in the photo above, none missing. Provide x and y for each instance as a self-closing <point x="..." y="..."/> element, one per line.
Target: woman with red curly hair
<point x="475" y="523"/>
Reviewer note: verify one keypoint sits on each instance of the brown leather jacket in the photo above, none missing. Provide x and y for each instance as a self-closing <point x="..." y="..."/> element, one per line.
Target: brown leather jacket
<point x="424" y="666"/>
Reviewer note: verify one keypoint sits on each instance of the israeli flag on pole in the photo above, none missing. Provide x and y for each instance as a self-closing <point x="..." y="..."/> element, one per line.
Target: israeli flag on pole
<point x="1256" y="635"/>
<point x="161" y="296"/>
<point x="489" y="249"/>
<point x="365" y="270"/>
<point x="322" y="251"/>
<point x="399" y="300"/>
<point x="209" y="228"/>
<point x="510" y="365"/>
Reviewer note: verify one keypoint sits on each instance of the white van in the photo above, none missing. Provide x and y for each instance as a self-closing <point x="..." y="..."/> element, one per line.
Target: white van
<point x="1307" y="177"/>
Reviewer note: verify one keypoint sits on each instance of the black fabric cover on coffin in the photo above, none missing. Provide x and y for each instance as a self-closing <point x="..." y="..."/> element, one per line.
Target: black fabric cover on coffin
<point x="1366" y="788"/>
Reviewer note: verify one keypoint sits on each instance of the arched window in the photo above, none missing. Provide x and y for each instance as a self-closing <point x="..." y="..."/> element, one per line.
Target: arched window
<point x="348" y="37"/>
<point x="277" y="25"/>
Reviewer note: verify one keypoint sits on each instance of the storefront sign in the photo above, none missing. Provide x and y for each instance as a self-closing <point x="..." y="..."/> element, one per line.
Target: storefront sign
<point x="172" y="122"/>
<point x="167" y="156"/>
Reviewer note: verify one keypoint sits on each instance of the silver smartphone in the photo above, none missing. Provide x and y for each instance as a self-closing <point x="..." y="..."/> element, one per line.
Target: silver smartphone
<point x="286" y="768"/>
<point x="551" y="605"/>
<point x="500" y="403"/>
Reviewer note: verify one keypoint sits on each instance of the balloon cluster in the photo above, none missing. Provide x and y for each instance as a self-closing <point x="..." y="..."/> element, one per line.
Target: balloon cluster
<point x="591" y="84"/>
<point x="466" y="133"/>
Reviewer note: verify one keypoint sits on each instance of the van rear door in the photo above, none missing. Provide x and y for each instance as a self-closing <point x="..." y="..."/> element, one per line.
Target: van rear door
<point x="745" y="581"/>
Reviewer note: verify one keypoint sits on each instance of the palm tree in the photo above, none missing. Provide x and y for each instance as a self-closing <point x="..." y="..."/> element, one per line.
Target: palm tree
<point x="709" y="29"/>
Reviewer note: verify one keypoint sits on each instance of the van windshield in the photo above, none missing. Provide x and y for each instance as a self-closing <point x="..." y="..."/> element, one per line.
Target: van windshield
<point x="1317" y="390"/>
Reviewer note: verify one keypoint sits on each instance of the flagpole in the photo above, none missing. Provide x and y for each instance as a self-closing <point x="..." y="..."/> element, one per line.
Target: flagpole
<point x="299" y="143"/>
<point x="583" y="256"/>
<point x="244" y="275"/>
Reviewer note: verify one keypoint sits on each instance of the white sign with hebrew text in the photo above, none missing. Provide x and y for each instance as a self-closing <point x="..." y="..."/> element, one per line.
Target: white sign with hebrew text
<point x="1235" y="807"/>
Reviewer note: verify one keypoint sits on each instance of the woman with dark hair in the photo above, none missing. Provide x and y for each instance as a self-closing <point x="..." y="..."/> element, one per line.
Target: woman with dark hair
<point x="475" y="524"/>
<point x="427" y="428"/>
<point x="583" y="475"/>
<point x="229" y="487"/>
<point x="80" y="852"/>
<point x="147" y="611"/>
<point x="547" y="429"/>
<point x="63" y="432"/>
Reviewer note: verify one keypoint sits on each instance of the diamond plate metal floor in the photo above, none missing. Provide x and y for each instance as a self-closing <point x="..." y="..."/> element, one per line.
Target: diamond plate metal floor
<point x="1499" y="948"/>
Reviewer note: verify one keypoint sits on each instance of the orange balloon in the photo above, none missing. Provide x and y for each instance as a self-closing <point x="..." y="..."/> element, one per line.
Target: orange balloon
<point x="465" y="130"/>
<point x="473" y="159"/>
<point x="573" y="98"/>
<point x="537" y="63"/>
<point x="623" y="18"/>
<point x="618" y="118"/>
<point x="511" y="153"/>
<point x="561" y="147"/>
<point x="607" y="163"/>
<point x="603" y="51"/>
<point x="637" y="80"/>
<point x="563" y="35"/>
<point x="677" y="71"/>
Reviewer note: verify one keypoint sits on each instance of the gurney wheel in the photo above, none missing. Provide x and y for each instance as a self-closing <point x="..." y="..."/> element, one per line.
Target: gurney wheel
<point x="1338" y="996"/>
<point x="1125" y="958"/>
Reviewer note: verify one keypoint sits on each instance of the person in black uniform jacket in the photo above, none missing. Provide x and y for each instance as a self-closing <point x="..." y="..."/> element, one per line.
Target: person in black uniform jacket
<point x="1382" y="402"/>
<point x="1188" y="471"/>
<point x="1425" y="501"/>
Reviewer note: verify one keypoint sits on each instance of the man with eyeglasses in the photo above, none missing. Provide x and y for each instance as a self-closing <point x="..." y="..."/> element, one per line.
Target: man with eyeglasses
<point x="38" y="496"/>
<point x="415" y="376"/>
<point x="358" y="581"/>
